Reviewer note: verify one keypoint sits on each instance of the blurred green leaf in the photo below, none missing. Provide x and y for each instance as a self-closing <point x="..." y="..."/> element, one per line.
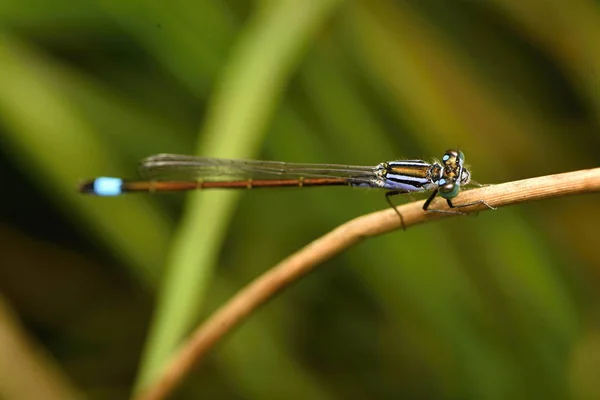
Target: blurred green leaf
<point x="252" y="83"/>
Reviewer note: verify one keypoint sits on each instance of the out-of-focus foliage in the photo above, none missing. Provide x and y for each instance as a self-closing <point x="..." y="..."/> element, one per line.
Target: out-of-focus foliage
<point x="500" y="306"/>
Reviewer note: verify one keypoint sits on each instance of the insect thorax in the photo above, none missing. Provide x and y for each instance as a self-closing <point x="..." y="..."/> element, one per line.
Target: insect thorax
<point x="436" y="172"/>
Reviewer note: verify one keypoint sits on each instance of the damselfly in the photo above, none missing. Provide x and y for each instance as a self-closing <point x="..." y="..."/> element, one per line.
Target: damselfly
<point x="173" y="172"/>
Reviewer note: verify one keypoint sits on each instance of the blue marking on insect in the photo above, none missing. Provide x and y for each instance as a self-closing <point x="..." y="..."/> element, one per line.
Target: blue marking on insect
<point x="446" y="157"/>
<point x="105" y="186"/>
<point x="405" y="183"/>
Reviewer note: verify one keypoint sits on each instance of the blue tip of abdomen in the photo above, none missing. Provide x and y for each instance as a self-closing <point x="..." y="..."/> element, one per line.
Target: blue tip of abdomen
<point x="105" y="186"/>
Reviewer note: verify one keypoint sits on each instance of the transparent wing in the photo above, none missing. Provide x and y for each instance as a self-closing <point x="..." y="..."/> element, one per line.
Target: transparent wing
<point x="182" y="167"/>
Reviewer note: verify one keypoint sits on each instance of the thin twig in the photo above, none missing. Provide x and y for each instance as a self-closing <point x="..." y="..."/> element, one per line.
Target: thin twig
<point x="232" y="313"/>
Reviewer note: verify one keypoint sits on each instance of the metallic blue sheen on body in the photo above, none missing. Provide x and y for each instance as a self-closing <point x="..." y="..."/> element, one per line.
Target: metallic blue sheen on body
<point x="407" y="183"/>
<point x="105" y="186"/>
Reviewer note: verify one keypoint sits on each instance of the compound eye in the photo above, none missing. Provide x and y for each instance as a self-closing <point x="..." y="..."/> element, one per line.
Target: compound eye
<point x="449" y="154"/>
<point x="448" y="190"/>
<point x="456" y="155"/>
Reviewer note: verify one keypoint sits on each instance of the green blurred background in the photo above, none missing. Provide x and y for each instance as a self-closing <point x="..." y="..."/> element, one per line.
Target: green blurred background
<point x="96" y="292"/>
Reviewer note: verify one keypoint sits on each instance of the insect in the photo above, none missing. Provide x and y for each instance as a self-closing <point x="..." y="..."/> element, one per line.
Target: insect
<point x="174" y="172"/>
